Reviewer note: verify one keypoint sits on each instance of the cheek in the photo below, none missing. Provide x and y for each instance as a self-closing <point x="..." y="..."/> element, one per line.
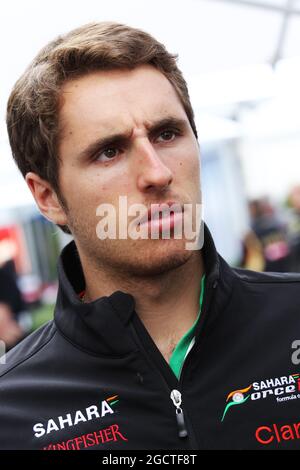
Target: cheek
<point x="99" y="190"/>
<point x="84" y="194"/>
<point x="195" y="165"/>
<point x="188" y="167"/>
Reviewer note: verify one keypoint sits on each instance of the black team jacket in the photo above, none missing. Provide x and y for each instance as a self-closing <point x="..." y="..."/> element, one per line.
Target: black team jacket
<point x="93" y="378"/>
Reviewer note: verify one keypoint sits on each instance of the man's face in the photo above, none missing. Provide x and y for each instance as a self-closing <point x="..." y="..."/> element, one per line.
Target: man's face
<point x="155" y="161"/>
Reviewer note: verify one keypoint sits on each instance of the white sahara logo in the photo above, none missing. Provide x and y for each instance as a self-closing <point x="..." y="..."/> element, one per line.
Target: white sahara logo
<point x="72" y="419"/>
<point x="159" y="221"/>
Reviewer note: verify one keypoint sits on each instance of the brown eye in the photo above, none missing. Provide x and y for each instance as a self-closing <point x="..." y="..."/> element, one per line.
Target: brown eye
<point x="108" y="154"/>
<point x="167" y="136"/>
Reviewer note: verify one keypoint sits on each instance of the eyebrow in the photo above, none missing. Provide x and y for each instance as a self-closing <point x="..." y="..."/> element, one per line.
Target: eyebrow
<point x="118" y="139"/>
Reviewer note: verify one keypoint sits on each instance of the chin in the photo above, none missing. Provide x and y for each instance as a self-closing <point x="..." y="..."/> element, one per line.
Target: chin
<point x="157" y="262"/>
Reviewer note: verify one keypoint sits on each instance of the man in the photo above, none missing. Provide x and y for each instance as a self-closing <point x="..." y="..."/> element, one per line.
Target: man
<point x="12" y="306"/>
<point x="152" y="343"/>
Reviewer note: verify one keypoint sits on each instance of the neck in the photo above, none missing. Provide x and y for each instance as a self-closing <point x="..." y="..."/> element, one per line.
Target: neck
<point x="167" y="304"/>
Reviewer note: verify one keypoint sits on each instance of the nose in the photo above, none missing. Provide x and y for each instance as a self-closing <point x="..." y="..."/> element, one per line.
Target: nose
<point x="152" y="173"/>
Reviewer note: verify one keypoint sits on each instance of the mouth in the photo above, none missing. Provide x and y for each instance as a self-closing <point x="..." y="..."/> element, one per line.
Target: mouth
<point x="163" y="216"/>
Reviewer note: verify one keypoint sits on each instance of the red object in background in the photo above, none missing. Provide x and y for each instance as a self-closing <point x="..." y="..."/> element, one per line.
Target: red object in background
<point x="12" y="246"/>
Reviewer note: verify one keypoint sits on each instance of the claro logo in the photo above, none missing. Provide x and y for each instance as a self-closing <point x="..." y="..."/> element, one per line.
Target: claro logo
<point x="72" y="419"/>
<point x="274" y="433"/>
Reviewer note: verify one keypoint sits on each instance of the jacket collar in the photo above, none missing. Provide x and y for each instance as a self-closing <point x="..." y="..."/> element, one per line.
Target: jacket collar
<point x="98" y="326"/>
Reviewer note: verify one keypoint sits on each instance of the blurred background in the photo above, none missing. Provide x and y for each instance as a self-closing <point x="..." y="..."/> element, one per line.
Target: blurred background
<point x="241" y="59"/>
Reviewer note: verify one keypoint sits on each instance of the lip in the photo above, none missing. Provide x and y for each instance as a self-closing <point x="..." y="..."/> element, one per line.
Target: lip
<point x="155" y="217"/>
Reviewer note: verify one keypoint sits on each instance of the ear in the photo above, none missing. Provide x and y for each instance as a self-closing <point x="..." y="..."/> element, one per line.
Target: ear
<point x="46" y="199"/>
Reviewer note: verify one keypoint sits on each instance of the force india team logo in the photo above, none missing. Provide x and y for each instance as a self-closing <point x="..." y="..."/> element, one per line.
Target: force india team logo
<point x="282" y="388"/>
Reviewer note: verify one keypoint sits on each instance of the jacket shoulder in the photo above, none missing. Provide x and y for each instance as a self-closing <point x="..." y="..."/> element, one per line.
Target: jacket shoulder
<point x="266" y="277"/>
<point x="27" y="349"/>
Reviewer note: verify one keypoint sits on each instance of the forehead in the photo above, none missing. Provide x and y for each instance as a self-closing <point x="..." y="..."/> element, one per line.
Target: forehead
<point x="106" y="100"/>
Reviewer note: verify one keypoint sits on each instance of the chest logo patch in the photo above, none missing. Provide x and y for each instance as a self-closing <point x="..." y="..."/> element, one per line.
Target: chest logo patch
<point x="92" y="412"/>
<point x="282" y="389"/>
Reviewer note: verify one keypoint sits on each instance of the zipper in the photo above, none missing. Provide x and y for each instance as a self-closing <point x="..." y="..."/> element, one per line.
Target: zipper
<point x="169" y="379"/>
<point x="177" y="400"/>
<point x="175" y="395"/>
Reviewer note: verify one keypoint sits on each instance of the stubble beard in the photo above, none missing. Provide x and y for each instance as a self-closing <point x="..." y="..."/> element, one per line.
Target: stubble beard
<point x="129" y="258"/>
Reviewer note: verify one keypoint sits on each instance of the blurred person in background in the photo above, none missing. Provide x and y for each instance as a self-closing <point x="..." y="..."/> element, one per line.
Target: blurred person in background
<point x="12" y="305"/>
<point x="10" y="331"/>
<point x="271" y="232"/>
<point x="252" y="253"/>
<point x="294" y="227"/>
